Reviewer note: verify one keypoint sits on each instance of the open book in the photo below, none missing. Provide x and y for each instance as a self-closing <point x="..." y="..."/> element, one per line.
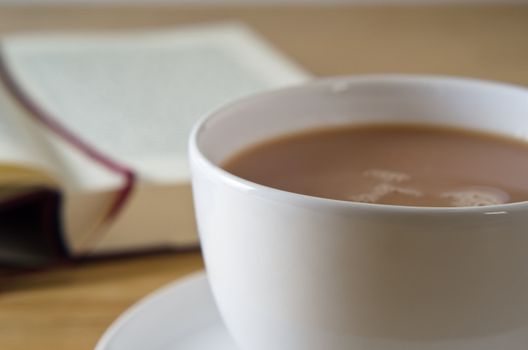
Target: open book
<point x="103" y="119"/>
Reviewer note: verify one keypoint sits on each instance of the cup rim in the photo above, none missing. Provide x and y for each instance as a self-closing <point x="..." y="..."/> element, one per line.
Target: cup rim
<point x="197" y="156"/>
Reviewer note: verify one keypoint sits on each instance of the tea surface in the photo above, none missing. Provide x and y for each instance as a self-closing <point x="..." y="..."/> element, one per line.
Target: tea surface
<point x="411" y="165"/>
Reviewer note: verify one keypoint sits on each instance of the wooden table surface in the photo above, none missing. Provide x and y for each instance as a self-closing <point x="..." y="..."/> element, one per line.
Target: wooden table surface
<point x="69" y="308"/>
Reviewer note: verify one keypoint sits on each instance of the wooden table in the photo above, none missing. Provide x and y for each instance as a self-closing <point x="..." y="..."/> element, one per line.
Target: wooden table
<point x="70" y="308"/>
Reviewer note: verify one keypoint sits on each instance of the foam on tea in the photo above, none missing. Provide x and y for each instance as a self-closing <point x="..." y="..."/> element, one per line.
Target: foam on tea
<point x="413" y="165"/>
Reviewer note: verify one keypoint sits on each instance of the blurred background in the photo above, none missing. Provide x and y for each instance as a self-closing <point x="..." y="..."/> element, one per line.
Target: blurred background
<point x="326" y="37"/>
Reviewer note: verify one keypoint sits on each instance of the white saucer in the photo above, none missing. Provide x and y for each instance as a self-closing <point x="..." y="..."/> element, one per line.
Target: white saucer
<point x="180" y="316"/>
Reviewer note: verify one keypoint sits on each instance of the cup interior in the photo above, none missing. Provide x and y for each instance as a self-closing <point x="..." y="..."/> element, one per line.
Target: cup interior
<point x="466" y="103"/>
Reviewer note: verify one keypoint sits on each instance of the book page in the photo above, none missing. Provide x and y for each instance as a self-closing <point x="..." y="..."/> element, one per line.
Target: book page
<point x="11" y="147"/>
<point x="135" y="96"/>
<point x="20" y="146"/>
<point x="25" y="143"/>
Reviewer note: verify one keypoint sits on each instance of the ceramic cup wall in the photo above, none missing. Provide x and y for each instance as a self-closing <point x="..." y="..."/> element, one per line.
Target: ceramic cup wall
<point x="294" y="272"/>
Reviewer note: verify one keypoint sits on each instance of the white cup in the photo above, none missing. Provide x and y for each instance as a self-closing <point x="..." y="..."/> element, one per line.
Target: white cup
<point x="295" y="272"/>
